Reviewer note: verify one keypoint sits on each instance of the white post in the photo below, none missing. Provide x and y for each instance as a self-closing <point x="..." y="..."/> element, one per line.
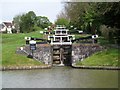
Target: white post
<point x="51" y="41"/>
<point x="61" y="32"/>
<point x="61" y="40"/>
<point x="55" y="32"/>
<point x="53" y="38"/>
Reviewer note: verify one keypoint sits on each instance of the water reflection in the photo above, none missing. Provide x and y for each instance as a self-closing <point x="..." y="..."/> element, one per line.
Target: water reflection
<point x="60" y="77"/>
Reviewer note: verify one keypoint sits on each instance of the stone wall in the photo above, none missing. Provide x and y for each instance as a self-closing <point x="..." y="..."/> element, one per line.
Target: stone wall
<point x="42" y="53"/>
<point x="82" y="51"/>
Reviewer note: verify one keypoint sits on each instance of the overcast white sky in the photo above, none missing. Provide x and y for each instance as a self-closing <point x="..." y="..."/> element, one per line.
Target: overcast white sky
<point x="11" y="8"/>
<point x="49" y="8"/>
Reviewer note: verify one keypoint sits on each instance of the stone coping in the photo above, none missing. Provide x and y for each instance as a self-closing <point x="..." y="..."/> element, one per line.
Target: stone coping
<point x="87" y="44"/>
<point x="96" y="67"/>
<point x="44" y="45"/>
<point x="50" y="66"/>
<point x="24" y="67"/>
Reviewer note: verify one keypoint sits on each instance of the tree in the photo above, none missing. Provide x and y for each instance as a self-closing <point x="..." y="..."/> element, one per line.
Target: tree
<point x="42" y="22"/>
<point x="90" y="16"/>
<point x="110" y="12"/>
<point x="62" y="14"/>
<point x="91" y="20"/>
<point x="32" y="16"/>
<point x="62" y="21"/>
<point x="75" y="12"/>
<point x="27" y="22"/>
<point x="16" y="21"/>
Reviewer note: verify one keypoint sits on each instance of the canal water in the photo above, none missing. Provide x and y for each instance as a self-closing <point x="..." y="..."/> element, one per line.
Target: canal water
<point x="60" y="77"/>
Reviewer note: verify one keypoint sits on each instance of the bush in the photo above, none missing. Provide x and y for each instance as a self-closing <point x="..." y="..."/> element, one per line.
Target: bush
<point x="110" y="34"/>
<point x="14" y="31"/>
<point x="36" y="28"/>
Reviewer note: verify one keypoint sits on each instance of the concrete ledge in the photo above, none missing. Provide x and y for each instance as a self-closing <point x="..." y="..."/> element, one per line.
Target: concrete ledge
<point x="96" y="67"/>
<point x="44" y="45"/>
<point x="85" y="44"/>
<point x="50" y="66"/>
<point x="25" y="67"/>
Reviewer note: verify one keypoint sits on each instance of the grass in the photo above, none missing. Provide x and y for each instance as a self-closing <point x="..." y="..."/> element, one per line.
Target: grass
<point x="103" y="41"/>
<point x="9" y="44"/>
<point x="81" y="35"/>
<point x="108" y="57"/>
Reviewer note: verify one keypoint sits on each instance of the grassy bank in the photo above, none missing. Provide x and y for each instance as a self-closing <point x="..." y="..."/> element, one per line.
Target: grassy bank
<point x="108" y="57"/>
<point x="9" y="44"/>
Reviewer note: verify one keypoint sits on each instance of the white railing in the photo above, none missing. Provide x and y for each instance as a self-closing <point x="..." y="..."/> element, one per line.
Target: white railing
<point x="61" y="43"/>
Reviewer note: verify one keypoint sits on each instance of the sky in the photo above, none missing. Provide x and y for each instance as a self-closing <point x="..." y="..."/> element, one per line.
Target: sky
<point x="48" y="8"/>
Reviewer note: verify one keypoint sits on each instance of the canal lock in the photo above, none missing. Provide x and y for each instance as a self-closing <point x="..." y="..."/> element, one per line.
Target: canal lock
<point x="59" y="49"/>
<point x="61" y="55"/>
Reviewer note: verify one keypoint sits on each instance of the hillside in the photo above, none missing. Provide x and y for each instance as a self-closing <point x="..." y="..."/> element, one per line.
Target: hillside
<point x="9" y="44"/>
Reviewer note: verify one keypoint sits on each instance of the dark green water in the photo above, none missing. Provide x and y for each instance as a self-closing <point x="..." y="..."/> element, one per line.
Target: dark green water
<point x="60" y="77"/>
